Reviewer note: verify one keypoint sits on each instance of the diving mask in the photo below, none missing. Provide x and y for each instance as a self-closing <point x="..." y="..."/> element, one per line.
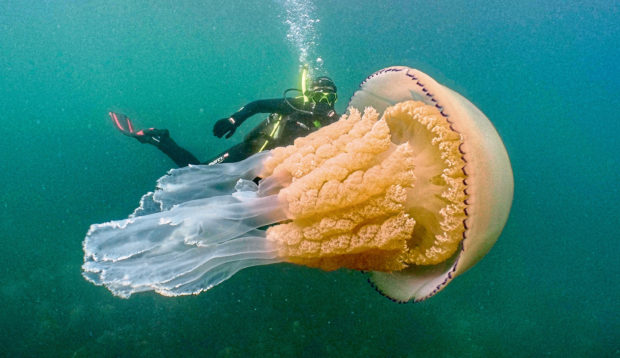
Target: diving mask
<point x="318" y="96"/>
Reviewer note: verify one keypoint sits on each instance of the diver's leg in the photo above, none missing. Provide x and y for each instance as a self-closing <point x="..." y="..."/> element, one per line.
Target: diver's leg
<point x="160" y="138"/>
<point x="233" y="154"/>
<point x="180" y="156"/>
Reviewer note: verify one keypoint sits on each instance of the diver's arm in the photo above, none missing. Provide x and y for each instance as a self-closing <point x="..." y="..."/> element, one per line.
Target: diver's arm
<point x="277" y="105"/>
<point x="228" y="126"/>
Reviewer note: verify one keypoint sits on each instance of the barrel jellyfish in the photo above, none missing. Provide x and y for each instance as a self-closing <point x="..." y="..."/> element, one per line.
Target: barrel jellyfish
<point x="413" y="186"/>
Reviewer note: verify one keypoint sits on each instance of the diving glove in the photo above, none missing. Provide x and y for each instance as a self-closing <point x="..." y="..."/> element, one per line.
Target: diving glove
<point x="224" y="126"/>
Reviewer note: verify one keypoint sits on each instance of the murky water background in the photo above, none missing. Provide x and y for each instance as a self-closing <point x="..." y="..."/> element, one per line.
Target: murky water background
<point x="545" y="73"/>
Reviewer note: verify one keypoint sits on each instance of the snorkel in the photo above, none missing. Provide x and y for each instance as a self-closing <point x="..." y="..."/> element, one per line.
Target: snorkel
<point x="304" y="77"/>
<point x="317" y="98"/>
<point x="304" y="80"/>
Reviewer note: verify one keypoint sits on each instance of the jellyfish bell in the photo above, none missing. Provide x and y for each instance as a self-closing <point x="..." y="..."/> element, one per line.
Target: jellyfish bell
<point x="487" y="177"/>
<point x="414" y="190"/>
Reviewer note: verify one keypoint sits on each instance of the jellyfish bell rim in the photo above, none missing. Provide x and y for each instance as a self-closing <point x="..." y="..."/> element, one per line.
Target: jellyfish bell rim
<point x="490" y="182"/>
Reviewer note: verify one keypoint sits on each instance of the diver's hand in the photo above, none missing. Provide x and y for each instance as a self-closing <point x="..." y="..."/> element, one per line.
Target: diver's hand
<point x="224" y="126"/>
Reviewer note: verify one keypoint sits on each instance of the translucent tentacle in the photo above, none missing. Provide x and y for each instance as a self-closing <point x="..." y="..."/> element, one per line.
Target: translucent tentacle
<point x="180" y="269"/>
<point x="201" y="229"/>
<point x="198" y="182"/>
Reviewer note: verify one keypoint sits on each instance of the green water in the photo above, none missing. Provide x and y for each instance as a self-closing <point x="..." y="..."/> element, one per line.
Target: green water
<point x="544" y="72"/>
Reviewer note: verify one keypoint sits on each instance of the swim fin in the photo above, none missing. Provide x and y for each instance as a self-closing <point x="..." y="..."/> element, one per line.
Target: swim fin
<point x="123" y="124"/>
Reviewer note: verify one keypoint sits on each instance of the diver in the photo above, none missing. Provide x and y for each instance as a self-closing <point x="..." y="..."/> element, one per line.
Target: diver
<point x="290" y="118"/>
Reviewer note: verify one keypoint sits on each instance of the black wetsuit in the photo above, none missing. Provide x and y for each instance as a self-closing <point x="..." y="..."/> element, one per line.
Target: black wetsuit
<point x="292" y="124"/>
